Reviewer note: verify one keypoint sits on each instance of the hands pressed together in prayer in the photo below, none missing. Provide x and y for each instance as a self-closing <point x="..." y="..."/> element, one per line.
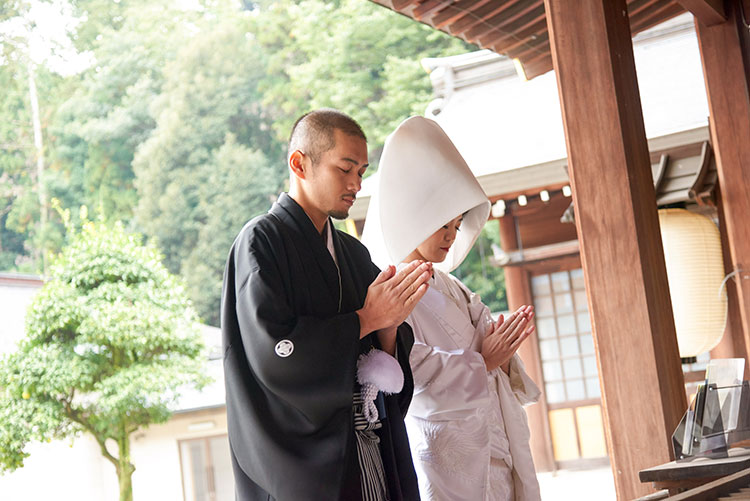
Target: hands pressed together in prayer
<point x="390" y="299"/>
<point x="505" y="336"/>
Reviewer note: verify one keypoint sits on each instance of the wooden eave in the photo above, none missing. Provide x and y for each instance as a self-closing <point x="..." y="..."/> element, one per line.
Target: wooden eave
<point x="687" y="176"/>
<point x="682" y="173"/>
<point x="20" y="280"/>
<point x="542" y="253"/>
<point x="515" y="28"/>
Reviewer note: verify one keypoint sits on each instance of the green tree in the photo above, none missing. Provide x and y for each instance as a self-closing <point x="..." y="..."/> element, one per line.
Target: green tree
<point x="247" y="77"/>
<point x="30" y="93"/>
<point x="239" y="185"/>
<point x="111" y="342"/>
<point x="176" y="91"/>
<point x="478" y="273"/>
<point x="212" y="161"/>
<point x="17" y="200"/>
<point x="351" y="55"/>
<point x="28" y="234"/>
<point x="98" y="129"/>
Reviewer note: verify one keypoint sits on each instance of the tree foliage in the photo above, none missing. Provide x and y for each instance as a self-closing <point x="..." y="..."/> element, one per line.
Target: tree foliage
<point x="23" y="61"/>
<point x="211" y="163"/>
<point x="178" y="125"/>
<point x="480" y="275"/>
<point x="16" y="195"/>
<point x="239" y="177"/>
<point x="351" y="55"/>
<point x="111" y="342"/>
<point x="97" y="130"/>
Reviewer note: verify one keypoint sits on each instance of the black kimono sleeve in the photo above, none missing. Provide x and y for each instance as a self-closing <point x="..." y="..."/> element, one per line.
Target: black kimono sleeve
<point x="289" y="417"/>
<point x="318" y="375"/>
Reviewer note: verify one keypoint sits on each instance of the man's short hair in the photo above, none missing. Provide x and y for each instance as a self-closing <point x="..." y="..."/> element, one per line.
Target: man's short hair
<point x="313" y="135"/>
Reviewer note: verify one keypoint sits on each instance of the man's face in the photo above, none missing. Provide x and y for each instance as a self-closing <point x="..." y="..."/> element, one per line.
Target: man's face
<point x="337" y="177"/>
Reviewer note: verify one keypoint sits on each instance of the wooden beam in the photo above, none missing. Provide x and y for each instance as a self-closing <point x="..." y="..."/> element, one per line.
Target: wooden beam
<point x="518" y="292"/>
<point x="564" y="263"/>
<point x="637" y="6"/>
<point x="543" y="253"/>
<point x="538" y="67"/>
<point x="531" y="57"/>
<point x="532" y="51"/>
<point x="429" y="7"/>
<point x="514" y="29"/>
<point x="708" y="12"/>
<point x="621" y="250"/>
<point x="732" y="344"/>
<point x="478" y="16"/>
<point x="455" y="11"/>
<point x="726" y="71"/>
<point x="21" y="280"/>
<point x="532" y="32"/>
<point x="717" y="489"/>
<point x="499" y="22"/>
<point x="654" y="17"/>
<point x="402" y="4"/>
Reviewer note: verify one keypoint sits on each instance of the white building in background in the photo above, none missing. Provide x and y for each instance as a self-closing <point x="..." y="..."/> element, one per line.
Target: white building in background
<point x="186" y="458"/>
<point x="16" y="293"/>
<point x="500" y="122"/>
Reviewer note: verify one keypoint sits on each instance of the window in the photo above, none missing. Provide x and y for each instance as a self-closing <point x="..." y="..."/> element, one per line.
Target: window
<point x="207" y="469"/>
<point x="565" y="342"/>
<point x="569" y="370"/>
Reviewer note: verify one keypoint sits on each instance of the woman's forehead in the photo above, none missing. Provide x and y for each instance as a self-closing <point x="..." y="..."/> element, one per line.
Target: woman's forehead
<point x="457" y="219"/>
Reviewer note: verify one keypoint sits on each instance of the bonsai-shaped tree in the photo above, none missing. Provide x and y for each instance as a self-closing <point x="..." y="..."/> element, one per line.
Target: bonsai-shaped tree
<point x="111" y="341"/>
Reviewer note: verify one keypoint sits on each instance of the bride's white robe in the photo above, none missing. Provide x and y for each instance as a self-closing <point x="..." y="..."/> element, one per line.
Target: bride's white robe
<point x="467" y="429"/>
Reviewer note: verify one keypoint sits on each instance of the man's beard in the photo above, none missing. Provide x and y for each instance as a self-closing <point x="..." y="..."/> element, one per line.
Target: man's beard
<point x="339" y="214"/>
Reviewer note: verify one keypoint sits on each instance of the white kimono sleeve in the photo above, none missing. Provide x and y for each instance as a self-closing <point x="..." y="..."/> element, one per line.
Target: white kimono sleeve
<point x="522" y="386"/>
<point x="447" y="384"/>
<point x="519" y="383"/>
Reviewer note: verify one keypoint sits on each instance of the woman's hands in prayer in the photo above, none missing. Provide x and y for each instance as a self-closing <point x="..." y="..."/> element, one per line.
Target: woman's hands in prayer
<point x="505" y="336"/>
<point x="392" y="296"/>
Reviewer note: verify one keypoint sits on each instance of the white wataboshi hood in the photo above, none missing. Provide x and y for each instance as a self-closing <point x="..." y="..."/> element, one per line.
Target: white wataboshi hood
<point x="423" y="182"/>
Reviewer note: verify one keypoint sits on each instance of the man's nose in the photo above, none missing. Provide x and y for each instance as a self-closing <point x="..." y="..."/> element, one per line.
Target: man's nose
<point x="355" y="183"/>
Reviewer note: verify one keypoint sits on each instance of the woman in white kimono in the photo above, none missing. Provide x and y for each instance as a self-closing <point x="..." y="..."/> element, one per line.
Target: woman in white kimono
<point x="467" y="428"/>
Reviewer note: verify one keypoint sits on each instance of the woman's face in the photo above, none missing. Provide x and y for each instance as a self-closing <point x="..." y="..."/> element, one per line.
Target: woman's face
<point x="436" y="247"/>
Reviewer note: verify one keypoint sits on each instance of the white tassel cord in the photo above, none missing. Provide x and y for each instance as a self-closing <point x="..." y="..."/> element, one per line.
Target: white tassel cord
<point x="377" y="371"/>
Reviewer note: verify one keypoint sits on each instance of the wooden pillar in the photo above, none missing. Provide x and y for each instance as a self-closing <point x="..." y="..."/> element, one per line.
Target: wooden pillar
<point x="621" y="251"/>
<point x="732" y="343"/>
<point x="518" y="292"/>
<point x="726" y="69"/>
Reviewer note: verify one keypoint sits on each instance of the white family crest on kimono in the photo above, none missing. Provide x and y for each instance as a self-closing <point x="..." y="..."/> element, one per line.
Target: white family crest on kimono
<point x="467" y="429"/>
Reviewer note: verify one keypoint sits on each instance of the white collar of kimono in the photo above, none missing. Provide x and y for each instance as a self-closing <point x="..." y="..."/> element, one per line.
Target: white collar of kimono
<point x="423" y="183"/>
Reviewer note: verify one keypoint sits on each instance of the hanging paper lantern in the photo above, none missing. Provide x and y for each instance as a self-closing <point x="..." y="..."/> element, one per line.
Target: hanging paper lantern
<point x="695" y="269"/>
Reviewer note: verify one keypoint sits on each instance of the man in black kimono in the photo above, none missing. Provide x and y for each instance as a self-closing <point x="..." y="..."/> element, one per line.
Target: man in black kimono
<point x="301" y="302"/>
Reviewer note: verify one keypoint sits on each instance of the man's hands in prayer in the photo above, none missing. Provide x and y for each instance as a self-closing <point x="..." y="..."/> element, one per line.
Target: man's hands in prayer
<point x="390" y="299"/>
<point x="505" y="336"/>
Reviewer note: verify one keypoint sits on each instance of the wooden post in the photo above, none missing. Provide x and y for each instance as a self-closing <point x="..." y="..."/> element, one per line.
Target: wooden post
<point x="640" y="374"/>
<point x="518" y="292"/>
<point x="732" y="344"/>
<point x="726" y="68"/>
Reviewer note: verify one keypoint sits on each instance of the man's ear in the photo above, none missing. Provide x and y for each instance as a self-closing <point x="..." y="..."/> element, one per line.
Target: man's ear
<point x="299" y="164"/>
